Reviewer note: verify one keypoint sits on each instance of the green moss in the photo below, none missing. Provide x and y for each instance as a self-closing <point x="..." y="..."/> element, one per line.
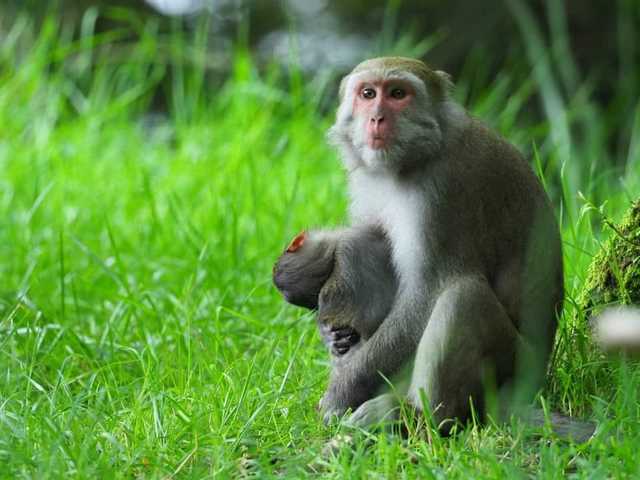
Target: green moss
<point x="614" y="273"/>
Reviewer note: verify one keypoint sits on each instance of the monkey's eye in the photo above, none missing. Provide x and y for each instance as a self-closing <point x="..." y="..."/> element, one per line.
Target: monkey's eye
<point x="398" y="93"/>
<point x="368" y="93"/>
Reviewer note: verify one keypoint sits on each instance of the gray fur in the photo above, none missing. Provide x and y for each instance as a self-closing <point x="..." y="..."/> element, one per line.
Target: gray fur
<point x="347" y="276"/>
<point x="477" y="254"/>
<point x="466" y="283"/>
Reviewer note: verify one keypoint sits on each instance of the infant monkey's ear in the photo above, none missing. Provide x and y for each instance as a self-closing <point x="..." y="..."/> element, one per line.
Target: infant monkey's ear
<point x="297" y="242"/>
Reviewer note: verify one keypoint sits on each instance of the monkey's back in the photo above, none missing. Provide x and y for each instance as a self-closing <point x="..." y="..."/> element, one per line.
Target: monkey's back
<point x="511" y="236"/>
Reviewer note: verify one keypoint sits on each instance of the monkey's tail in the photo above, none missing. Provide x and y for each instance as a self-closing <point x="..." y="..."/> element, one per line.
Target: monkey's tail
<point x="565" y="427"/>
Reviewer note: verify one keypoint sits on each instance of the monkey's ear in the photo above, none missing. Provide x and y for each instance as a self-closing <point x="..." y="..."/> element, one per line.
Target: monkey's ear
<point x="297" y="242"/>
<point x="445" y="81"/>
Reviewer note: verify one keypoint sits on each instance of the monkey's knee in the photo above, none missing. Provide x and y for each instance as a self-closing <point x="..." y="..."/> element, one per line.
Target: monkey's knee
<point x="469" y="337"/>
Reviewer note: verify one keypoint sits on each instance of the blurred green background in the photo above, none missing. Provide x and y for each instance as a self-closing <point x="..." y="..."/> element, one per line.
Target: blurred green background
<point x="153" y="166"/>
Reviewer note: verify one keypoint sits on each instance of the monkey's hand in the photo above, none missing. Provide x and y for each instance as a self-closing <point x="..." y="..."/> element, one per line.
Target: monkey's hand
<point x="339" y="339"/>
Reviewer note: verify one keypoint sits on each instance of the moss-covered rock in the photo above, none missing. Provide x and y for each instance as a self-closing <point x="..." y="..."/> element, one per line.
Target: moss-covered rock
<point x="614" y="273"/>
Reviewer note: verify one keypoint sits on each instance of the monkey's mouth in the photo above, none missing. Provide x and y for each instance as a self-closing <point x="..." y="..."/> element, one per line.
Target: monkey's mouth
<point x="379" y="135"/>
<point x="378" y="142"/>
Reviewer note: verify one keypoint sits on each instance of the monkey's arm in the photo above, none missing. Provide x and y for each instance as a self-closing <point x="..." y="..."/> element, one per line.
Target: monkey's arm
<point x="361" y="288"/>
<point x="359" y="292"/>
<point x="388" y="350"/>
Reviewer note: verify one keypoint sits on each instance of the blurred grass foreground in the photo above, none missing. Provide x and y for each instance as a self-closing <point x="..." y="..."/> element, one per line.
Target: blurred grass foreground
<point x="148" y="181"/>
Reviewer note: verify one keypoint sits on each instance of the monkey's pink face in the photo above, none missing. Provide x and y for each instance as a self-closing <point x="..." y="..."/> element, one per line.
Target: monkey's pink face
<point x="378" y="104"/>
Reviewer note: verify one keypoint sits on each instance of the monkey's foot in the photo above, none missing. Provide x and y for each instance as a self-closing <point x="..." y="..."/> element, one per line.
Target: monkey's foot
<point x="380" y="409"/>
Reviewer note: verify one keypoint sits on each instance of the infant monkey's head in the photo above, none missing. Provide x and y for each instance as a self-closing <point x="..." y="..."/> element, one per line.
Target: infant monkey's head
<point x="303" y="268"/>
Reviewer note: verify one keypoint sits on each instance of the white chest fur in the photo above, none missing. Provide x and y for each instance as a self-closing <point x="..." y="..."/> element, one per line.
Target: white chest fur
<point x="400" y="210"/>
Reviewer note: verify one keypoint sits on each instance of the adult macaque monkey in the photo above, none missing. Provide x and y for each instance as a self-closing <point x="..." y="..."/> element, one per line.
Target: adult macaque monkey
<point x="347" y="276"/>
<point x="474" y="245"/>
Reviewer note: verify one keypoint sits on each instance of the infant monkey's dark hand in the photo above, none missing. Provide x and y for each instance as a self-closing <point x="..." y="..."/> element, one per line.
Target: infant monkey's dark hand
<point x="339" y="339"/>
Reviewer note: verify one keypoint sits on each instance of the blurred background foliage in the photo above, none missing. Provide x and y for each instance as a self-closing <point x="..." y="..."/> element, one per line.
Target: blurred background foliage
<point x="575" y="67"/>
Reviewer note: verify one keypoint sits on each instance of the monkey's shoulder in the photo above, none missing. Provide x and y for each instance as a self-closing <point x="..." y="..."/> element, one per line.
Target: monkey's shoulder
<point x="482" y="142"/>
<point x="484" y="156"/>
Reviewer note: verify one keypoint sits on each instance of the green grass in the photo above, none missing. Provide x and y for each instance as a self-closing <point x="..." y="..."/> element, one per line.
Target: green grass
<point x="140" y="335"/>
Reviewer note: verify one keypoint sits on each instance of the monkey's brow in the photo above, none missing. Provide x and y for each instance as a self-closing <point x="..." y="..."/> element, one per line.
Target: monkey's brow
<point x="383" y="82"/>
<point x="383" y="78"/>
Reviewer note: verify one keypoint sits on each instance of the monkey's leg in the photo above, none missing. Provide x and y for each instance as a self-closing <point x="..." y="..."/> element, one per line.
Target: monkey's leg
<point x="468" y="335"/>
<point x="468" y="332"/>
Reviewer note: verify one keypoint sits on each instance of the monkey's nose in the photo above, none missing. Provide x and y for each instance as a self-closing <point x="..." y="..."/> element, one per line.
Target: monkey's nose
<point x="377" y="119"/>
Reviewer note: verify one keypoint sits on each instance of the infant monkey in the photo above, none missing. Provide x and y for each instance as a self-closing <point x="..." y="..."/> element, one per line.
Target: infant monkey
<point x="346" y="275"/>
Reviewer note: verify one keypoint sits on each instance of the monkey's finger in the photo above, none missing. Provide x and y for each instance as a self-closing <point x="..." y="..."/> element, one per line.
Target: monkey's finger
<point x="343" y="333"/>
<point x="341" y="328"/>
<point x="346" y="342"/>
<point x="340" y="350"/>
